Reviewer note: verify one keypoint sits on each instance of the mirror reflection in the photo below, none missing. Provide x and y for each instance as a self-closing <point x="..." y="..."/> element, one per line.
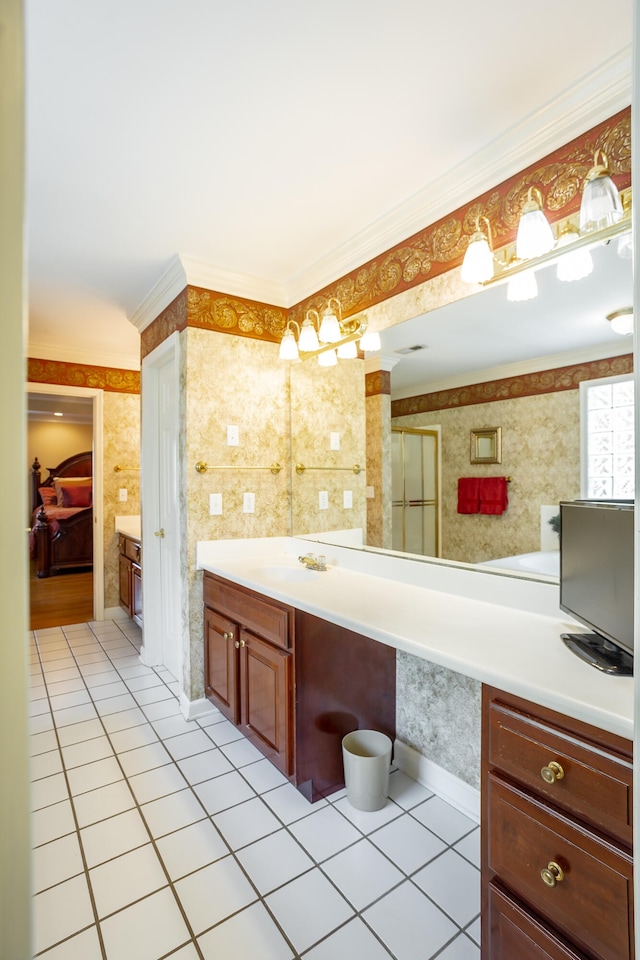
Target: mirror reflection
<point x="484" y="363"/>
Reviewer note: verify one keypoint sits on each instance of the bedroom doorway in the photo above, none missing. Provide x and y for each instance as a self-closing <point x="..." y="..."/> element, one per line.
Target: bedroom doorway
<point x="74" y="596"/>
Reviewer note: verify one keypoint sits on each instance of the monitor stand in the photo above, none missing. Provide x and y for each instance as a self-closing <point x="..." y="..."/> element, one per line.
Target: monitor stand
<point x="600" y="653"/>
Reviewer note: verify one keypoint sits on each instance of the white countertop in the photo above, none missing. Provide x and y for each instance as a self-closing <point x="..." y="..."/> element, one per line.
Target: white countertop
<point x="500" y="630"/>
<point x="129" y="526"/>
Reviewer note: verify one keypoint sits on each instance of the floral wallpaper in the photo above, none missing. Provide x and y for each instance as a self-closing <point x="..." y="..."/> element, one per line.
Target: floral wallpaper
<point x="121" y="431"/>
<point x="326" y="400"/>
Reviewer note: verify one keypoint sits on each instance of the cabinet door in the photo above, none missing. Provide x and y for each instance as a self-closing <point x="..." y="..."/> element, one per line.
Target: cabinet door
<point x="265" y="683"/>
<point x="221" y="663"/>
<point x="136" y="592"/>
<point x="125" y="583"/>
<point x="514" y="933"/>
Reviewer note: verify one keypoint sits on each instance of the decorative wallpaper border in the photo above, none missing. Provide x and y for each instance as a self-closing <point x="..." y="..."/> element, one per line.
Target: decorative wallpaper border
<point x="377" y="382"/>
<point x="440" y="247"/>
<point x="510" y="388"/>
<point x="435" y="250"/>
<point x="83" y="375"/>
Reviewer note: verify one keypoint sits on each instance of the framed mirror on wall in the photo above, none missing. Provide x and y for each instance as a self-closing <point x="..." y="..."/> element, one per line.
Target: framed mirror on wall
<point x="486" y="445"/>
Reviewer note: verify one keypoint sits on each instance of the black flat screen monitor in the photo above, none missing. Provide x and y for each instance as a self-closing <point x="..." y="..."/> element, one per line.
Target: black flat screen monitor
<point x="596" y="580"/>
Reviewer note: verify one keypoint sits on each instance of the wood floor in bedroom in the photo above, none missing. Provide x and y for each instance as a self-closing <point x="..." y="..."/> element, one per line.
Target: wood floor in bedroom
<point x="54" y="601"/>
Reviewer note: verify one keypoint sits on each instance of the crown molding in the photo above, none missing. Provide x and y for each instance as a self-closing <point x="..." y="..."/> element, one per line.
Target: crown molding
<point x="171" y="282"/>
<point x="598" y="96"/>
<point x="379" y="361"/>
<point x="202" y="274"/>
<point x="98" y="358"/>
<point x="588" y="355"/>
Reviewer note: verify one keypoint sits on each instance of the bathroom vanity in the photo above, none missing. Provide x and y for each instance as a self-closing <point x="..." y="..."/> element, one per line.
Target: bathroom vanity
<point x="556" y="816"/>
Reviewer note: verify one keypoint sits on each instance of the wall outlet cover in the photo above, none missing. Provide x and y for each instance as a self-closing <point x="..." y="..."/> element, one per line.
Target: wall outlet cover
<point x="347" y="499"/>
<point x="233" y="436"/>
<point x="334" y="441"/>
<point x="122" y="494"/>
<point x="215" y="504"/>
<point x="249" y="503"/>
<point x="369" y="493"/>
<point x="323" y="499"/>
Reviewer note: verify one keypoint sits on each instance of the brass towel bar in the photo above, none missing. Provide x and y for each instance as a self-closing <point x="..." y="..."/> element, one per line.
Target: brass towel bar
<point x="300" y="468"/>
<point x="202" y="467"/>
<point x="119" y="469"/>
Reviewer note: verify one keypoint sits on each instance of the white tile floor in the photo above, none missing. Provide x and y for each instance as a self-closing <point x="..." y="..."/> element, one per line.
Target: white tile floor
<point x="154" y="837"/>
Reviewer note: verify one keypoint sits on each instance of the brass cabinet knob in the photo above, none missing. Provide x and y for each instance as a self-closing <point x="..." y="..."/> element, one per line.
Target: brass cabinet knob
<point x="227" y="636"/>
<point x="239" y="643"/>
<point x="159" y="533"/>
<point x="552" y="772"/>
<point x="552" y="874"/>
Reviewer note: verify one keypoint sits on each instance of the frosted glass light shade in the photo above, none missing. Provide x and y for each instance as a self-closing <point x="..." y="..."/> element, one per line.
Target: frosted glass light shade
<point x="328" y="358"/>
<point x="329" y="328"/>
<point x="288" y="347"/>
<point x="522" y="286"/>
<point x="621" y="322"/>
<point x="600" y="205"/>
<point x="574" y="264"/>
<point x="370" y="342"/>
<point x="625" y="246"/>
<point x="308" y="337"/>
<point x="477" y="266"/>
<point x="535" y="236"/>
<point x="347" y="351"/>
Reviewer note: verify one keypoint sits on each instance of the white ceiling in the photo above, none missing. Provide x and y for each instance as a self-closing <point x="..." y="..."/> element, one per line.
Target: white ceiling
<point x="281" y="143"/>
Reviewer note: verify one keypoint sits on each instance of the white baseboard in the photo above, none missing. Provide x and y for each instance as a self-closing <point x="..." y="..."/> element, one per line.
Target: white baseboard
<point x="459" y="794"/>
<point x="194" y="709"/>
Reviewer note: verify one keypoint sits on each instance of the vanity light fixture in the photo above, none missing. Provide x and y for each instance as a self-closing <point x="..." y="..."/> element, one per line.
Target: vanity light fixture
<point x="327" y="338"/>
<point x="535" y="236"/>
<point x="477" y="266"/>
<point x="621" y="321"/>
<point x="575" y="264"/>
<point x="601" y="206"/>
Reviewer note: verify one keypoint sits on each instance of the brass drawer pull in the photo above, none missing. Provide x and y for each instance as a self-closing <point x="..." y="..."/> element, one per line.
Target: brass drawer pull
<point x="227" y="636"/>
<point x="552" y="874"/>
<point x="552" y="772"/>
<point x="239" y="643"/>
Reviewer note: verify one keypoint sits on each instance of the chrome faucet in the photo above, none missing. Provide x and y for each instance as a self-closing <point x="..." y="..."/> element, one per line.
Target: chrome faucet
<point x="312" y="562"/>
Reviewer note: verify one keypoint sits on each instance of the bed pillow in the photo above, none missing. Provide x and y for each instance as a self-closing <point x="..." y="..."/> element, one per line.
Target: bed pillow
<point x="48" y="495"/>
<point x="73" y="494"/>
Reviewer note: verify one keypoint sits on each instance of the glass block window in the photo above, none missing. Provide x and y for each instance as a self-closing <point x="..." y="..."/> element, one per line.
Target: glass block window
<point x="607" y="438"/>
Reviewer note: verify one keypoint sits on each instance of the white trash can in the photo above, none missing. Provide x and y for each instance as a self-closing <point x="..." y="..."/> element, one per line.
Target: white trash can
<point x="367" y="756"/>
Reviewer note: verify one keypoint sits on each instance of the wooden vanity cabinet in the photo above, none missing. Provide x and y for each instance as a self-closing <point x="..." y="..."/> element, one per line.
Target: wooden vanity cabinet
<point x="130" y="576"/>
<point x="557" y="866"/>
<point x="294" y="684"/>
<point x="247" y="665"/>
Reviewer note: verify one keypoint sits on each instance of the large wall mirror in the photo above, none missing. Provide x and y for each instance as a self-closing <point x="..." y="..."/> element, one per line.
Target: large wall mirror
<point x="478" y="339"/>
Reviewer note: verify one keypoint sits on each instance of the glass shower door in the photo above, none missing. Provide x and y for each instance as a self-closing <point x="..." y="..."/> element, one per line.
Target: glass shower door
<point x="415" y="505"/>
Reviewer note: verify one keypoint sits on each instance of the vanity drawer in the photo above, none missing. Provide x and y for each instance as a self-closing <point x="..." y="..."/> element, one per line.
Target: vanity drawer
<point x="593" y="904"/>
<point x="133" y="550"/>
<point x="595" y="785"/>
<point x="266" y="618"/>
<point x="515" y="933"/>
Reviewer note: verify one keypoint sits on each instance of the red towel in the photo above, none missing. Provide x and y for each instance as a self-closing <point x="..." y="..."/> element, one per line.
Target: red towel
<point x="469" y="495"/>
<point x="493" y="495"/>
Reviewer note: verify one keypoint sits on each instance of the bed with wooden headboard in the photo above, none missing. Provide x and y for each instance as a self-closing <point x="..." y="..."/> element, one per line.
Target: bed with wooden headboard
<point x="61" y="536"/>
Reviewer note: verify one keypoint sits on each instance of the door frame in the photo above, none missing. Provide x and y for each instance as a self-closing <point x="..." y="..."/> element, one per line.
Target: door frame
<point x="97" y="396"/>
<point x="152" y="650"/>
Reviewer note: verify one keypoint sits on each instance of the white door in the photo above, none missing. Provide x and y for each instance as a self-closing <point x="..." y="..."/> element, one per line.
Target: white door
<point x="161" y="583"/>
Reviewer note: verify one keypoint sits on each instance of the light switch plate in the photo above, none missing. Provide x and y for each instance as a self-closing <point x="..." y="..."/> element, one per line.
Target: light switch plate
<point x="249" y="503"/>
<point x="334" y="441"/>
<point x="215" y="504"/>
<point x="369" y="493"/>
<point x="233" y="436"/>
<point x="323" y="499"/>
<point x="347" y="499"/>
<point x="122" y="494"/>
